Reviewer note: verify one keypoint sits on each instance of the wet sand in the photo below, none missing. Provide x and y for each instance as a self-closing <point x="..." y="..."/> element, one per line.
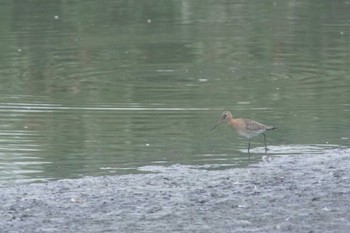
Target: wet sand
<point x="292" y="193"/>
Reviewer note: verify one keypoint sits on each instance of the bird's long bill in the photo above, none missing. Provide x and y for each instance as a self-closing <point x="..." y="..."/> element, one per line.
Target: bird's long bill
<point x="218" y="123"/>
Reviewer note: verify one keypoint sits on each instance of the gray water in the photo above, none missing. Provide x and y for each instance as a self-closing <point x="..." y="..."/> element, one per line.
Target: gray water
<point x="108" y="87"/>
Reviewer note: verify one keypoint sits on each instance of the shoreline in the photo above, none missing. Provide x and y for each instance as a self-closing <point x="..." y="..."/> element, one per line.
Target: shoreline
<point x="292" y="193"/>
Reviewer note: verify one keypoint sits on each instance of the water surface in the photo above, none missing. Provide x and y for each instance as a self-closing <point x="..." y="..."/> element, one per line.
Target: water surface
<point x="93" y="89"/>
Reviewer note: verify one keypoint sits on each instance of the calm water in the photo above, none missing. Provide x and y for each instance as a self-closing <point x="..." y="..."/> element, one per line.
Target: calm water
<point x="93" y="89"/>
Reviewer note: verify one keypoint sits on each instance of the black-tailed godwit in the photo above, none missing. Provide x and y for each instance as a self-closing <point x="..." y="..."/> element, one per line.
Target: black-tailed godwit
<point x="245" y="127"/>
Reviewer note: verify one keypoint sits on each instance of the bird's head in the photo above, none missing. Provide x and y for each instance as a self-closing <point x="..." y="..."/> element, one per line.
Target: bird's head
<point x="224" y="117"/>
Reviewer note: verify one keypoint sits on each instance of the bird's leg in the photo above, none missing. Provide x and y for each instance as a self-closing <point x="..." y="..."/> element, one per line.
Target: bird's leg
<point x="249" y="148"/>
<point x="265" y="142"/>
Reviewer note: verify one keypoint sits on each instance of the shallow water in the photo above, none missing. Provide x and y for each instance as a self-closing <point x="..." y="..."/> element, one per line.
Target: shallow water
<point x="92" y="89"/>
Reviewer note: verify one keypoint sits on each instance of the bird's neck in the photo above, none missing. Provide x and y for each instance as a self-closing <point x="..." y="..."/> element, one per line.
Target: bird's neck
<point x="231" y="121"/>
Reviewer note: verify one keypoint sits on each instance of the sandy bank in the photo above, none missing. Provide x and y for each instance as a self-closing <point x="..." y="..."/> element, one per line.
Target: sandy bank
<point x="299" y="193"/>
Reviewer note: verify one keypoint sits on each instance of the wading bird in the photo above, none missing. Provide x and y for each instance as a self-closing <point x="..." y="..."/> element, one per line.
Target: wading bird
<point x="245" y="127"/>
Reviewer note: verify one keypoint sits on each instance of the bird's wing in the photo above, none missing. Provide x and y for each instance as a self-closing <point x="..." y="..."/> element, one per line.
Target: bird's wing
<point x="254" y="125"/>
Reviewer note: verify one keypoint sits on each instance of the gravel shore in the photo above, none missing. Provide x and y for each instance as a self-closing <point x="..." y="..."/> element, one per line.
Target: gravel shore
<point x="292" y="193"/>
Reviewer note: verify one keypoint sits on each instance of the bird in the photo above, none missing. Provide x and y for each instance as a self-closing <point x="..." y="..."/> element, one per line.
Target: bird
<point x="245" y="127"/>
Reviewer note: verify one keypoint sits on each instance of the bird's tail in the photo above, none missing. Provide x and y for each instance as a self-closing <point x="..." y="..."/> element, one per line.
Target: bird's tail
<point x="271" y="128"/>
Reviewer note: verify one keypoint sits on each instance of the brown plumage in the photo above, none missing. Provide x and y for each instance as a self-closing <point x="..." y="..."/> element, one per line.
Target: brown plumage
<point x="245" y="127"/>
